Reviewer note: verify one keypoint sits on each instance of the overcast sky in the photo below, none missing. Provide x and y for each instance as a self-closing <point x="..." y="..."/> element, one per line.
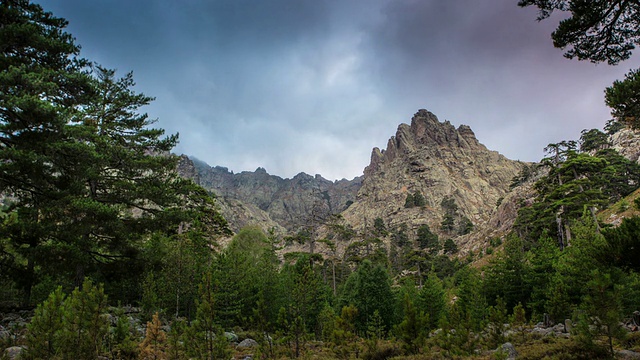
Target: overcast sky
<point x="312" y="86"/>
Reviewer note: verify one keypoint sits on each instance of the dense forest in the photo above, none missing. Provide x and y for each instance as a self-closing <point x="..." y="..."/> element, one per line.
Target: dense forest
<point x="99" y="234"/>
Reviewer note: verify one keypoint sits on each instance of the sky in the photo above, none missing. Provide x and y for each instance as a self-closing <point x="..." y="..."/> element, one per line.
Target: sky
<point x="312" y="86"/>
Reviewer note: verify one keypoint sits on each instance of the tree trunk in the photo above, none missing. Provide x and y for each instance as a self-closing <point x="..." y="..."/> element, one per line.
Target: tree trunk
<point x="334" y="276"/>
<point x="28" y="285"/>
<point x="560" y="232"/>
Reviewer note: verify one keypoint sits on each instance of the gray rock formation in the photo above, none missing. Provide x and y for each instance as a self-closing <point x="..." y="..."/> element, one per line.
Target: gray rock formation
<point x="428" y="156"/>
<point x="439" y="161"/>
<point x="627" y="143"/>
<point x="258" y="198"/>
<point x="509" y="350"/>
<point x="13" y="352"/>
<point x="247" y="343"/>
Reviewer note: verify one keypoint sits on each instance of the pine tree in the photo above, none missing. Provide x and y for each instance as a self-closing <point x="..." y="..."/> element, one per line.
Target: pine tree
<point x="90" y="177"/>
<point x="176" y="346"/>
<point x="369" y="289"/>
<point x="72" y="327"/>
<point x="518" y="320"/>
<point x="154" y="344"/>
<point x="411" y="330"/>
<point x="43" y="332"/>
<point x="471" y="302"/>
<point x="431" y="300"/>
<point x="42" y="85"/>
<point x="85" y="325"/>
<point x="344" y="335"/>
<point x="122" y="343"/>
<point x="622" y="97"/>
<point x="205" y="336"/>
<point x="428" y="240"/>
<point x="497" y="318"/>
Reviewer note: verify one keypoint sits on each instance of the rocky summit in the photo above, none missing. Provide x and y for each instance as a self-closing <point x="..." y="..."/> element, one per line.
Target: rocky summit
<point x="269" y="201"/>
<point x="458" y="180"/>
<point x="454" y="173"/>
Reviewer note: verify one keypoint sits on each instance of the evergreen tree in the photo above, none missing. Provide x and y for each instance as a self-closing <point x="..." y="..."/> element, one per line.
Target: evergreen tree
<point x="43" y="332"/>
<point x="380" y="229"/>
<point x="575" y="181"/>
<point x="506" y="276"/>
<point x="411" y="330"/>
<point x="205" y="337"/>
<point x="418" y="199"/>
<point x="518" y="320"/>
<point x="72" y="327"/>
<point x="623" y="248"/>
<point x="42" y="84"/>
<point x="428" y="240"/>
<point x="542" y="261"/>
<point x="593" y="140"/>
<point x="450" y="247"/>
<point x="471" y="302"/>
<point x="497" y="319"/>
<point x="596" y="31"/>
<point x="344" y="335"/>
<point x="369" y="289"/>
<point x="85" y="326"/>
<point x="90" y="178"/>
<point x="596" y="283"/>
<point x="154" y="344"/>
<point x="306" y="296"/>
<point x="122" y="343"/>
<point x="240" y="274"/>
<point x="409" y="202"/>
<point x="431" y="300"/>
<point x="601" y="309"/>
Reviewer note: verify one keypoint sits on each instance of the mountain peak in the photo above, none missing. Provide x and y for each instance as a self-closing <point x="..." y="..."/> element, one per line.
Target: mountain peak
<point x="439" y="161"/>
<point x="425" y="132"/>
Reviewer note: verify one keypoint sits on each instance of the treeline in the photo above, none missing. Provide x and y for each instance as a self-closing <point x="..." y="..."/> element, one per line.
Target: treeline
<point x="287" y="308"/>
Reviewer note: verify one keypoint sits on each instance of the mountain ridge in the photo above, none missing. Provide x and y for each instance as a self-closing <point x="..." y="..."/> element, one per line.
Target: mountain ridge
<point x="443" y="163"/>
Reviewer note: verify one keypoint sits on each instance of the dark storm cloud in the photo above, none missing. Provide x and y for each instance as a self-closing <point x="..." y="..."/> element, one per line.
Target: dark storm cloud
<point x="312" y="86"/>
<point x="492" y="67"/>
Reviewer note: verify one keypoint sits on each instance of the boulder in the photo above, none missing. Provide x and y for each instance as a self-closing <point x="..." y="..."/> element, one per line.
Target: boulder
<point x="13" y="352"/>
<point x="627" y="354"/>
<point x="247" y="343"/>
<point x="558" y="329"/>
<point x="508" y="349"/>
<point x="568" y="325"/>
<point x="231" y="336"/>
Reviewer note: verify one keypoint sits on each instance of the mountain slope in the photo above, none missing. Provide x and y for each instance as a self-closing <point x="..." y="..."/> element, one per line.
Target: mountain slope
<point x="258" y="198"/>
<point x="456" y="175"/>
<point x="440" y="162"/>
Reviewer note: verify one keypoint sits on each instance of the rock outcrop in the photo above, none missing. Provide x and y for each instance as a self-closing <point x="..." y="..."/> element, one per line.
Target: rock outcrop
<point x="627" y="142"/>
<point x="429" y="157"/>
<point x="271" y="202"/>
<point x="438" y="161"/>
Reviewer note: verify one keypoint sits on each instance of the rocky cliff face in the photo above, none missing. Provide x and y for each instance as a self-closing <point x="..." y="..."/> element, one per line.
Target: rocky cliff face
<point x="428" y="157"/>
<point x="438" y="161"/>
<point x="627" y="143"/>
<point x="258" y="198"/>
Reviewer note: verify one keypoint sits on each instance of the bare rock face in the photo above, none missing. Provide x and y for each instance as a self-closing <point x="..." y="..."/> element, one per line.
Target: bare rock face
<point x="430" y="157"/>
<point x="627" y="143"/>
<point x="268" y="201"/>
<point x="439" y="161"/>
<point x="187" y="169"/>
